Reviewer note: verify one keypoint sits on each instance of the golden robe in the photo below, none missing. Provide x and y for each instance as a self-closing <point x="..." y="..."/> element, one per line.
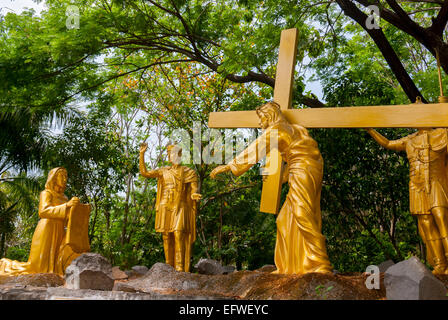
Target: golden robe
<point x="300" y="245"/>
<point x="175" y="210"/>
<point x="48" y="253"/>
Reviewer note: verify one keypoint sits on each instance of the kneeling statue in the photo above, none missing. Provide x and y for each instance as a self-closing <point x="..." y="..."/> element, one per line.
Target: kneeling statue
<point x="61" y="234"/>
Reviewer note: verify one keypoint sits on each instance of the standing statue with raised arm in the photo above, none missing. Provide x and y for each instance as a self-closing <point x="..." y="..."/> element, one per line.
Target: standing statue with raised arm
<point x="300" y="246"/>
<point x="175" y="206"/>
<point x="428" y="188"/>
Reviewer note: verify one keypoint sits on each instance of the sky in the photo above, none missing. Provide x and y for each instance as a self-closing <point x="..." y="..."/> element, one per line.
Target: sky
<point x="17" y="6"/>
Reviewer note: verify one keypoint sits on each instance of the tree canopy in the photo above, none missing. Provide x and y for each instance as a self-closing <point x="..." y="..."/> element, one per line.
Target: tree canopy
<point x="85" y="95"/>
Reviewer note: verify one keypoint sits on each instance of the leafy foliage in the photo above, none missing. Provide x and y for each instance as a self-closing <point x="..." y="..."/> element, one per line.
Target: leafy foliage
<point x="139" y="71"/>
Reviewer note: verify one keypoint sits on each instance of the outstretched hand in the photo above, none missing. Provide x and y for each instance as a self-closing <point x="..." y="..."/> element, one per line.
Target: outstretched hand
<point x="218" y="170"/>
<point x="143" y="147"/>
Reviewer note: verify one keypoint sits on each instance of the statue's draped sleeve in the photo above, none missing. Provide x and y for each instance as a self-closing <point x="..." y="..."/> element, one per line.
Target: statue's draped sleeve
<point x="49" y="211"/>
<point x="273" y="137"/>
<point x="191" y="178"/>
<point x="252" y="154"/>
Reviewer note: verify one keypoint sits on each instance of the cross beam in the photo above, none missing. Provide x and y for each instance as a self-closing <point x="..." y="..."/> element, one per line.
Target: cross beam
<point x="396" y="116"/>
<point x="407" y="116"/>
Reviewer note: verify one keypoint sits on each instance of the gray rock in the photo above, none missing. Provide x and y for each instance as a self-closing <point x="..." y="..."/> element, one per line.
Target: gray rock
<point x="267" y="268"/>
<point x="87" y="294"/>
<point x="129" y="273"/>
<point x="61" y="293"/>
<point x="36" y="280"/>
<point x="160" y="269"/>
<point x="89" y="271"/>
<point x="411" y="280"/>
<point x="228" y="269"/>
<point x="209" y="267"/>
<point x="161" y="276"/>
<point x="383" y="266"/>
<point x="117" y="274"/>
<point x="140" y="269"/>
<point x="65" y="294"/>
<point x="23" y="293"/>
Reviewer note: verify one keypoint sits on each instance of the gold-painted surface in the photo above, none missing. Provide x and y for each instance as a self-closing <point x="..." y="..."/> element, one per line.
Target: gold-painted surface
<point x="433" y="115"/>
<point x="77" y="228"/>
<point x="426" y="150"/>
<point x="300" y="246"/>
<point x="273" y="173"/>
<point x="52" y="247"/>
<point x="284" y="77"/>
<point x="284" y="80"/>
<point x="176" y="207"/>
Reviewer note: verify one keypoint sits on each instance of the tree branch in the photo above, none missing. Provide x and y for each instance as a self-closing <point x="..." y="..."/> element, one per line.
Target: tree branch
<point x="405" y="24"/>
<point x="386" y="49"/>
<point x="400" y="12"/>
<point x="417" y="1"/>
<point x="439" y="23"/>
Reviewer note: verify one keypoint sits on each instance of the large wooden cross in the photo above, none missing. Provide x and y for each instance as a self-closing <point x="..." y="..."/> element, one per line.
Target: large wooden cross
<point x="398" y="116"/>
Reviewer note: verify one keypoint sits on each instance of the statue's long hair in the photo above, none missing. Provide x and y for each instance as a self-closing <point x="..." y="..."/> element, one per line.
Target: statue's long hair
<point x="273" y="112"/>
<point x="49" y="185"/>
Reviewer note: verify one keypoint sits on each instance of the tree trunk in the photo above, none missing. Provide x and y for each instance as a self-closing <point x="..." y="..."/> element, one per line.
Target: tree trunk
<point x="126" y="210"/>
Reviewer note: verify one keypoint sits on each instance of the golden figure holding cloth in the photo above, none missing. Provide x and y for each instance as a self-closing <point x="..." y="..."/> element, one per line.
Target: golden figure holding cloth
<point x="60" y="235"/>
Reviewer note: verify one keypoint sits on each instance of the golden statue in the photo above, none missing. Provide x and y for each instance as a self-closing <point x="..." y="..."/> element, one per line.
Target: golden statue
<point x="175" y="207"/>
<point x="60" y="235"/>
<point x="300" y="246"/>
<point x="428" y="188"/>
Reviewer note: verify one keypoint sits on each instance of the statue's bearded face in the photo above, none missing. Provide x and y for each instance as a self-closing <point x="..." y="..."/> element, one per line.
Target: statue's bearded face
<point x="174" y="155"/>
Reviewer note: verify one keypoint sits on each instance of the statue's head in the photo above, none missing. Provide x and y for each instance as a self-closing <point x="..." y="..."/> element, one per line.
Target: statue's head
<point x="269" y="114"/>
<point x="57" y="180"/>
<point x="174" y="153"/>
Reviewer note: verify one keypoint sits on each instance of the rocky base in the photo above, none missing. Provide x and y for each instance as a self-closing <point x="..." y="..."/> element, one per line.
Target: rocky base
<point x="162" y="282"/>
<point x="252" y="285"/>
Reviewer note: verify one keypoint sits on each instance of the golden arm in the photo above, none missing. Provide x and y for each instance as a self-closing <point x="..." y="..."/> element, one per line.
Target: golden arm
<point x="194" y="191"/>
<point x="256" y="150"/>
<point x="397" y="145"/>
<point x="142" y="165"/>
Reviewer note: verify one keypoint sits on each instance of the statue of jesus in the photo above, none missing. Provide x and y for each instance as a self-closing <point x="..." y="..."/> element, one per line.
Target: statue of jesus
<point x="300" y="246"/>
